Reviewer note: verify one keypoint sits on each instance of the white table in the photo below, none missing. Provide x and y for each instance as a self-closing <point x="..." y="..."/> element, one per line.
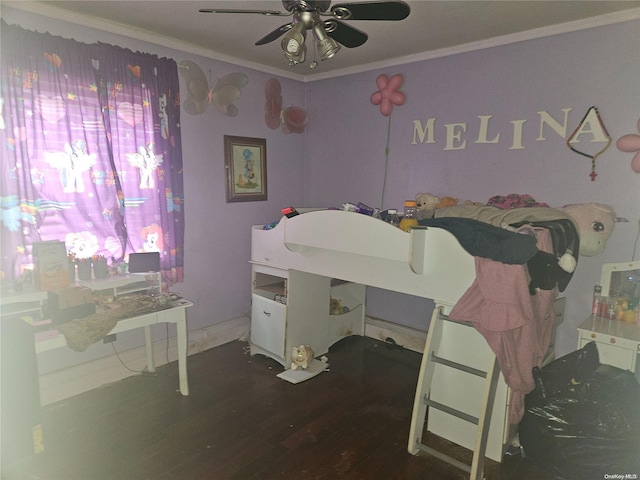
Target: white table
<point x="617" y="341"/>
<point x="31" y="299"/>
<point x="176" y="315"/>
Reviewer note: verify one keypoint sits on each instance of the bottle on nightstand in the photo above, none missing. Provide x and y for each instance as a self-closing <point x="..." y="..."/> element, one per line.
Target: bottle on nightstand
<point x="597" y="296"/>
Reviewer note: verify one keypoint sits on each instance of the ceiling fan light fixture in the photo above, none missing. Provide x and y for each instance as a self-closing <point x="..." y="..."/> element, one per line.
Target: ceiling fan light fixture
<point x="297" y="58"/>
<point x="327" y="46"/>
<point x="293" y="41"/>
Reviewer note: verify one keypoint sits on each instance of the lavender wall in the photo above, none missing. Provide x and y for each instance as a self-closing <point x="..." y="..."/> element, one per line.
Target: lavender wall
<point x="217" y="270"/>
<point x="597" y="67"/>
<point x="341" y="156"/>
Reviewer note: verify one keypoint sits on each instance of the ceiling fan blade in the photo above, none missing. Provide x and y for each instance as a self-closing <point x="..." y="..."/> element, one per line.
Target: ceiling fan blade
<point x="277" y="33"/>
<point x="346" y="35"/>
<point x="233" y="10"/>
<point x="372" y="11"/>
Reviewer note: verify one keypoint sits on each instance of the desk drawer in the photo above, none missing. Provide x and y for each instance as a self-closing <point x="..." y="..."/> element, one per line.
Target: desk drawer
<point x="268" y="324"/>
<point x="613" y="340"/>
<point x="614" y="351"/>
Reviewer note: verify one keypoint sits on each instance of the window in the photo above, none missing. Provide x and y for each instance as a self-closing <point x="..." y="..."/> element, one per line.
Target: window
<point x="91" y="151"/>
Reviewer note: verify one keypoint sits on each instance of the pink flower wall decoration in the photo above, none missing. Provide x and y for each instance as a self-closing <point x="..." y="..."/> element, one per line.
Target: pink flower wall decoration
<point x="631" y="143"/>
<point x="388" y="95"/>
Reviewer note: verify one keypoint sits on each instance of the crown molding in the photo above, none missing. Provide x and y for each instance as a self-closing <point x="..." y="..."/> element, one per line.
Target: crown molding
<point x="584" y="24"/>
<point x="46" y="10"/>
<point x="50" y="11"/>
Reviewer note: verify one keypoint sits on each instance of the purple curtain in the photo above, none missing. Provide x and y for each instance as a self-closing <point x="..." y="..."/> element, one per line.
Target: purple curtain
<point x="91" y="151"/>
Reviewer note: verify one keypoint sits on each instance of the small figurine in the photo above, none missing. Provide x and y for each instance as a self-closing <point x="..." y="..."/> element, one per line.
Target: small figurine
<point x="301" y="357"/>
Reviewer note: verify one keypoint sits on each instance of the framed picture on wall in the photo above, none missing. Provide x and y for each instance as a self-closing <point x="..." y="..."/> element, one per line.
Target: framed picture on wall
<point x="246" y="165"/>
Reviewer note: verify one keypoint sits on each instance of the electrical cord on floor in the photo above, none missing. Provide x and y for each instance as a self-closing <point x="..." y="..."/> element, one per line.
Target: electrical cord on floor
<point x="145" y="370"/>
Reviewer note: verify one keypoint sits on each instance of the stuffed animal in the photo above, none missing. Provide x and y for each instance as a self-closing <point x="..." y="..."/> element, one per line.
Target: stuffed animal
<point x="301" y="357"/>
<point x="426" y="205"/>
<point x="595" y="223"/>
<point x="447" y="202"/>
<point x="335" y="306"/>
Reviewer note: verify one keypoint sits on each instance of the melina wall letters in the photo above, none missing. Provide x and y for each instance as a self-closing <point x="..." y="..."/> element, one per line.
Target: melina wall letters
<point x="458" y="135"/>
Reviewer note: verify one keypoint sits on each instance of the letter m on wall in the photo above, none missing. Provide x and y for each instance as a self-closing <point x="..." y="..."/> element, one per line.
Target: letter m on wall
<point x="421" y="131"/>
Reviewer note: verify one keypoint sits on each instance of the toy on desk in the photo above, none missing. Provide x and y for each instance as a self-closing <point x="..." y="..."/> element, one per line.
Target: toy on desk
<point x="301" y="357"/>
<point x="289" y="212"/>
<point x="335" y="306"/>
<point x="270" y="226"/>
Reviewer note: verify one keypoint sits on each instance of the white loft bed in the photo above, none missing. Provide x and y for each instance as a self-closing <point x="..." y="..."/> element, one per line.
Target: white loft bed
<point x="428" y="262"/>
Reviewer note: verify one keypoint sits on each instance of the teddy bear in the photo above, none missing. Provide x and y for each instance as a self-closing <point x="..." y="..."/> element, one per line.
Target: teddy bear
<point x="426" y="205"/>
<point x="301" y="357"/>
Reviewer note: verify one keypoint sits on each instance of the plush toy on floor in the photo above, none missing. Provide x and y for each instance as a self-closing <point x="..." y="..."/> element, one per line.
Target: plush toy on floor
<point x="301" y="357"/>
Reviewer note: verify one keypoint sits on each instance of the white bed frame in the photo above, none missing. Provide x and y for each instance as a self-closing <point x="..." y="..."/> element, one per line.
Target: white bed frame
<point x="428" y="262"/>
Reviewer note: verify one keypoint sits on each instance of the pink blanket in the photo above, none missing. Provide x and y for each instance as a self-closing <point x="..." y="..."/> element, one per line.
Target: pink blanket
<point x="516" y="325"/>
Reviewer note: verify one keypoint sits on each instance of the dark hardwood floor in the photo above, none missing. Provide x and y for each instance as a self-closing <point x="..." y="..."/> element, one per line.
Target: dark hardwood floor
<point x="241" y="422"/>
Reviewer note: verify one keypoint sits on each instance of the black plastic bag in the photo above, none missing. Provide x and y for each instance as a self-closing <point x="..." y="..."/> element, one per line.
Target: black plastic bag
<point x="582" y="421"/>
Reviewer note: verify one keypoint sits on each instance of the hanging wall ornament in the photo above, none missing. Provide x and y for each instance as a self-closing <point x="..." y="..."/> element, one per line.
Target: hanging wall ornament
<point x="222" y="92"/>
<point x="591" y="115"/>
<point x="388" y="96"/>
<point x="291" y="119"/>
<point x="631" y="143"/>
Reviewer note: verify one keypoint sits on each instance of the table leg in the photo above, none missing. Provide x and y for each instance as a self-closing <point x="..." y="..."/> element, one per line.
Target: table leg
<point x="181" y="327"/>
<point x="151" y="364"/>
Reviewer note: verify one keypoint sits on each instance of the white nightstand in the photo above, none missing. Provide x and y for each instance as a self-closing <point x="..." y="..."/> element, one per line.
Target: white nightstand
<point x="617" y="341"/>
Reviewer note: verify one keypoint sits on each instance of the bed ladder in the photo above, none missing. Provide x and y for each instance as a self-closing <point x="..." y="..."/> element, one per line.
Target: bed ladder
<point x="423" y="400"/>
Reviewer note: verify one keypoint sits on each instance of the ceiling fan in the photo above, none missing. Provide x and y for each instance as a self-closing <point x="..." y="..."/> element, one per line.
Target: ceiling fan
<point x="328" y="34"/>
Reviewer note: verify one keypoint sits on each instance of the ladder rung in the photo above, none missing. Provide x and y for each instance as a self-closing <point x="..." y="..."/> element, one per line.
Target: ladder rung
<point x="451" y="411"/>
<point x="458" y="366"/>
<point x="444" y="457"/>
<point x="422" y="402"/>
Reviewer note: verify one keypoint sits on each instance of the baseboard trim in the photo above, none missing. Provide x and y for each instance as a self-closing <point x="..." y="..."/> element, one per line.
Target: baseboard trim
<point x="62" y="384"/>
<point x="406" y="337"/>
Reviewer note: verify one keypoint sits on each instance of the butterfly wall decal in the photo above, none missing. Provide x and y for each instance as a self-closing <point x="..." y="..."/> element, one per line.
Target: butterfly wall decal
<point x="291" y="119"/>
<point x="222" y="93"/>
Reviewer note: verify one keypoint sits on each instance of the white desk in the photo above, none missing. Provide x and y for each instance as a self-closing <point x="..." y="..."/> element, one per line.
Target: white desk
<point x="30" y="299"/>
<point x="617" y="341"/>
<point x="176" y="315"/>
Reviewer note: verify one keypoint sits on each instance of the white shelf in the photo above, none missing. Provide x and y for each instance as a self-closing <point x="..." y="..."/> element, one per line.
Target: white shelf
<point x="291" y="308"/>
<point x="123" y="284"/>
